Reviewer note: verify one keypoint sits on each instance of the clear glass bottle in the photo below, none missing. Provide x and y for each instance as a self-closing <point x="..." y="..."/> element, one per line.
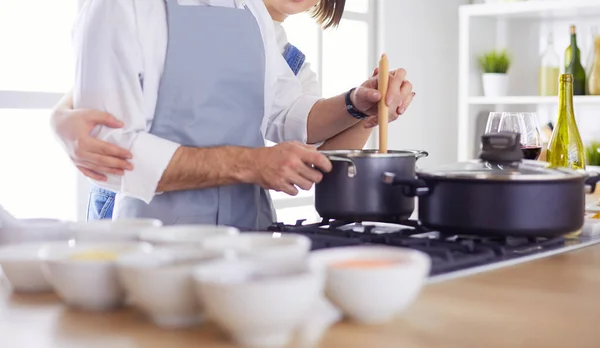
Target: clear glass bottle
<point x="593" y="84"/>
<point x="549" y="70"/>
<point x="589" y="61"/>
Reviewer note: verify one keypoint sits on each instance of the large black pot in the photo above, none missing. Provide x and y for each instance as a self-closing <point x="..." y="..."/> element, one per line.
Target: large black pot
<point x="500" y="195"/>
<point x="353" y="189"/>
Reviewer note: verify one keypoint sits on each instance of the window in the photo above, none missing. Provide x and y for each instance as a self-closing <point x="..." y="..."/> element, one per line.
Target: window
<point x="37" y="178"/>
<point x="341" y="57"/>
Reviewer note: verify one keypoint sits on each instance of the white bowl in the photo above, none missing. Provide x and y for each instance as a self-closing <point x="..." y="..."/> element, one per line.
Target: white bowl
<point x="112" y="230"/>
<point x="90" y="284"/>
<point x="185" y="234"/>
<point x="23" y="268"/>
<point x="259" y="303"/>
<point x="160" y="283"/>
<point x="36" y="230"/>
<point x="372" y="295"/>
<point x="261" y="245"/>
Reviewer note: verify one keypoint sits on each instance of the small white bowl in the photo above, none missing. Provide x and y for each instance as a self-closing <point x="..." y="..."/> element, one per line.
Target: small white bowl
<point x="372" y="294"/>
<point x="89" y="283"/>
<point x="259" y="303"/>
<point x="261" y="245"/>
<point x="36" y="230"/>
<point x="23" y="268"/>
<point x="112" y="230"/>
<point x="160" y="283"/>
<point x="185" y="234"/>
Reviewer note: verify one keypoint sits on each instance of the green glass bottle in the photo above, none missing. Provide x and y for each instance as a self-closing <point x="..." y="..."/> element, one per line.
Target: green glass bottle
<point x="574" y="66"/>
<point x="568" y="54"/>
<point x="565" y="148"/>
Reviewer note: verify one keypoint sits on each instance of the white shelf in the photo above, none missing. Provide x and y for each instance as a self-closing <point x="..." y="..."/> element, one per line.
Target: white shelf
<point x="534" y="9"/>
<point x="531" y="100"/>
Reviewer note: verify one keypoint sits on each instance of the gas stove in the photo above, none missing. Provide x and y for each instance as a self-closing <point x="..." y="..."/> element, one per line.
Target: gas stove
<point x="452" y="255"/>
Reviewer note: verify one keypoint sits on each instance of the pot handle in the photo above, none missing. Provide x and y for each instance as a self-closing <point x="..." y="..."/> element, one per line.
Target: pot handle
<point x="420" y="153"/>
<point x="590" y="183"/>
<point x="351" y="165"/>
<point x="414" y="187"/>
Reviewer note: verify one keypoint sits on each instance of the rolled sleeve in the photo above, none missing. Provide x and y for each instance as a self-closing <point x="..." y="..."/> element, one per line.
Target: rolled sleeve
<point x="151" y="156"/>
<point x="108" y="67"/>
<point x="288" y="118"/>
<point x="296" y="123"/>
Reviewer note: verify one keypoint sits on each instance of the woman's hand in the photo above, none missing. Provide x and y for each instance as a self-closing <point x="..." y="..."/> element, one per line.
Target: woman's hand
<point x="93" y="157"/>
<point x="399" y="96"/>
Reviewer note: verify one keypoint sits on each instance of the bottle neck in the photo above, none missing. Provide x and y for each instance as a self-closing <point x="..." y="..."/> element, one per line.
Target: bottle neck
<point x="574" y="51"/>
<point x="566" y="99"/>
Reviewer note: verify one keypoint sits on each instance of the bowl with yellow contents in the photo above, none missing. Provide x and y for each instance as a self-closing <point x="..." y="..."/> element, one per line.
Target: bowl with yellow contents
<point x="84" y="274"/>
<point x="372" y="284"/>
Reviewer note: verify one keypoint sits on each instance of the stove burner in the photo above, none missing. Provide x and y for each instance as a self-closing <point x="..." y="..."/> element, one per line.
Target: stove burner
<point x="448" y="252"/>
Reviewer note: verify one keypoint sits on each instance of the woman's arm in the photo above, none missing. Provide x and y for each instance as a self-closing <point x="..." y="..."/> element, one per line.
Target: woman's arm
<point x="353" y="138"/>
<point x="73" y="128"/>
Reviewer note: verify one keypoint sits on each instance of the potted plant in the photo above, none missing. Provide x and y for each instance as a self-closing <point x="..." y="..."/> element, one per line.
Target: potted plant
<point x="495" y="65"/>
<point x="592" y="154"/>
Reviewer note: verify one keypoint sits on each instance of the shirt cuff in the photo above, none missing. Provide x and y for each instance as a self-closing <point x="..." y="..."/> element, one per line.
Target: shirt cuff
<point x="151" y="156"/>
<point x="296" y="124"/>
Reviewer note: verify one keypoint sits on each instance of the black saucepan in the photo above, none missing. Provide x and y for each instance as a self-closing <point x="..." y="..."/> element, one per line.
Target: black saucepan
<point x="501" y="194"/>
<point x="353" y="189"/>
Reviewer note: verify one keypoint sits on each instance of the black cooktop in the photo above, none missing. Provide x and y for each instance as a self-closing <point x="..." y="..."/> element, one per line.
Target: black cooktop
<point x="448" y="253"/>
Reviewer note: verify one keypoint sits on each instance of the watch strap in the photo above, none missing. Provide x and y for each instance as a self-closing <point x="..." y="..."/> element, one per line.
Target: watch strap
<point x="353" y="111"/>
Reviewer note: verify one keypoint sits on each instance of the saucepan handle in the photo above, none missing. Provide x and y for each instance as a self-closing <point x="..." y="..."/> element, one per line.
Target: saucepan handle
<point x="413" y="187"/>
<point x="351" y="165"/>
<point x="420" y="153"/>
<point x="590" y="183"/>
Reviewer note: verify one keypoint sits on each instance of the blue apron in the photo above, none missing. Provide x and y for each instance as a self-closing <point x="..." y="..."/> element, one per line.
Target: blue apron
<point x="102" y="201"/>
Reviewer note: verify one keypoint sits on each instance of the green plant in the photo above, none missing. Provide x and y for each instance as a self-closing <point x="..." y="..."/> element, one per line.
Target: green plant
<point x="495" y="62"/>
<point x="592" y="153"/>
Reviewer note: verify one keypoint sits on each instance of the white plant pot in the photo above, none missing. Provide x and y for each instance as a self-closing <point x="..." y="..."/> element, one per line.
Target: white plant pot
<point x="495" y="85"/>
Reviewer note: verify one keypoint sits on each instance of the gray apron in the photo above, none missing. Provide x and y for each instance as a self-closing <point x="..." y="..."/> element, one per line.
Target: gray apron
<point x="211" y="94"/>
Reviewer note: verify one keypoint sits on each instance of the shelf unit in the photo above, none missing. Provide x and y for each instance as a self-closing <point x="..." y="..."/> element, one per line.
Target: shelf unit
<point x="520" y="27"/>
<point x="531" y="100"/>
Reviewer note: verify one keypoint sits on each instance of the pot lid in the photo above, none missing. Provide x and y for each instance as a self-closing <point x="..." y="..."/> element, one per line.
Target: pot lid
<point x="374" y="153"/>
<point x="501" y="158"/>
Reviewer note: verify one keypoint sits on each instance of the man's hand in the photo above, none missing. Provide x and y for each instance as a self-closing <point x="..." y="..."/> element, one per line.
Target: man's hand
<point x="399" y="96"/>
<point x="93" y="157"/>
<point x="287" y="165"/>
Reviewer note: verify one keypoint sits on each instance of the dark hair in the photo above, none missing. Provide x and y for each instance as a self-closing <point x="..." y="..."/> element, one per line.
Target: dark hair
<point x="328" y="13"/>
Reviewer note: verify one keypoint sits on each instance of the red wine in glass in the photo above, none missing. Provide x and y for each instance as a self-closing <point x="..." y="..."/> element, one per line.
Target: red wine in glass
<point x="531" y="152"/>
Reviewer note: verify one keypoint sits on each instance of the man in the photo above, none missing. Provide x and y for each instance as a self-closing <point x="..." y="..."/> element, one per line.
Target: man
<point x="198" y="85"/>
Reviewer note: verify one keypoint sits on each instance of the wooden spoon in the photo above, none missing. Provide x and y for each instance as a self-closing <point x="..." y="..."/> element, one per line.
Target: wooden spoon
<point x="383" y="108"/>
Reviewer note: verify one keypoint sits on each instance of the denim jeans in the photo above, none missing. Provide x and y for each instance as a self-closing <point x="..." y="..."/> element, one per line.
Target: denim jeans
<point x="101" y="203"/>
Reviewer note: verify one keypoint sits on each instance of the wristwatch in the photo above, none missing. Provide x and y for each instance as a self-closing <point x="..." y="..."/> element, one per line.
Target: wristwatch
<point x="353" y="110"/>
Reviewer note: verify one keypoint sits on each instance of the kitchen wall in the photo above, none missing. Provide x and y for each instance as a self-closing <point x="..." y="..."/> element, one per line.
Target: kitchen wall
<point x="422" y="37"/>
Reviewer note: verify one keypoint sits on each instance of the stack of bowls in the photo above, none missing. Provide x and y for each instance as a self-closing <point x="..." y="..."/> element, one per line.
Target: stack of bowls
<point x="19" y="251"/>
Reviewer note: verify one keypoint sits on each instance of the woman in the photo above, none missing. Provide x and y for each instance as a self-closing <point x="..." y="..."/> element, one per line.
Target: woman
<point x="95" y="158"/>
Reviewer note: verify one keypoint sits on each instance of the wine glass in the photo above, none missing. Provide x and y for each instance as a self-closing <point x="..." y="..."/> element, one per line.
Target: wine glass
<point x="493" y="122"/>
<point x="532" y="144"/>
